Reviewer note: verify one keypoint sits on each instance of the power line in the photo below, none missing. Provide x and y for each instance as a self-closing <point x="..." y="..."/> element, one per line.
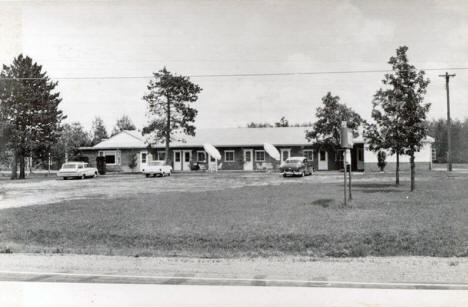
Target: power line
<point x="241" y="74"/>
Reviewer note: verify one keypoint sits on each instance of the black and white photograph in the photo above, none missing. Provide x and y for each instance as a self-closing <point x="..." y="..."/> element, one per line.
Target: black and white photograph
<point x="234" y="153"/>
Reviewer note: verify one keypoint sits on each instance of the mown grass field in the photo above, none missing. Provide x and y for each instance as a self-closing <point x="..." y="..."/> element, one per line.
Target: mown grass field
<point x="300" y="218"/>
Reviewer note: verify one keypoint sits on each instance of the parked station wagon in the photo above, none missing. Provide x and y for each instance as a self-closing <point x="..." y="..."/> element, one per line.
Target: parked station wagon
<point x="76" y="170"/>
<point x="157" y="168"/>
<point x="296" y="166"/>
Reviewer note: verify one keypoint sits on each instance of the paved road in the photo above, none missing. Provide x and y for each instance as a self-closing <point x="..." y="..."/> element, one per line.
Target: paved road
<point x="191" y="279"/>
<point x="90" y="294"/>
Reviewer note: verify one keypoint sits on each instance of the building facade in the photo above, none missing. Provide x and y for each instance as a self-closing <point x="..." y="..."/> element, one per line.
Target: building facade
<point x="241" y="149"/>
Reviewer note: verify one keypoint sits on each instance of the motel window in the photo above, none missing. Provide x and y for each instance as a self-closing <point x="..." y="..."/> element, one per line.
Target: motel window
<point x="323" y="155"/>
<point x="229" y="155"/>
<point x="143" y="157"/>
<point x="248" y="156"/>
<point x="112" y="157"/>
<point x="187" y="156"/>
<point x="259" y="155"/>
<point x="201" y="156"/>
<point x="161" y="156"/>
<point x="309" y="154"/>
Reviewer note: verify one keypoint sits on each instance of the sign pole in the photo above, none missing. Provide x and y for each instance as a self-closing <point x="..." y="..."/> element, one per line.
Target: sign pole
<point x="350" y="195"/>
<point x="344" y="164"/>
<point x="48" y="170"/>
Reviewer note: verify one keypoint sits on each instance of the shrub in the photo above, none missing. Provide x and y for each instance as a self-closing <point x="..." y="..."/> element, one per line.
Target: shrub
<point x="101" y="165"/>
<point x="381" y="156"/>
<point x="132" y="163"/>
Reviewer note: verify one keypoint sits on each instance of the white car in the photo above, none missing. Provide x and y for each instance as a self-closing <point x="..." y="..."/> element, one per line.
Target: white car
<point x="77" y="170"/>
<point x="157" y="168"/>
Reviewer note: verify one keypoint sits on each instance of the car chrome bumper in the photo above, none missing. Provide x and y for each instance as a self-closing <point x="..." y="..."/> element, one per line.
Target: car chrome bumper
<point x="292" y="173"/>
<point x="68" y="175"/>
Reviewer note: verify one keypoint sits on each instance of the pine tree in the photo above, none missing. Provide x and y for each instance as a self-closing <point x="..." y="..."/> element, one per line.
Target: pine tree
<point x="123" y="123"/>
<point x="98" y="130"/>
<point x="29" y="110"/>
<point x="169" y="108"/>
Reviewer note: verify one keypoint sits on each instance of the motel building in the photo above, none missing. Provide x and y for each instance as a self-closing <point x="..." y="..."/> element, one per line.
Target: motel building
<point x="241" y="149"/>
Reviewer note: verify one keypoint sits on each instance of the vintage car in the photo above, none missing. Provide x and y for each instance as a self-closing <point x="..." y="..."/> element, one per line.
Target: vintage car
<point x="157" y="168"/>
<point x="76" y="170"/>
<point x="296" y="166"/>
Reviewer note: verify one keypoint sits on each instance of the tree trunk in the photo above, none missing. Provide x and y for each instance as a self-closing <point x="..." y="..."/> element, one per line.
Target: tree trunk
<point x="412" y="171"/>
<point x="22" y="167"/>
<point x="397" y="171"/>
<point x="14" y="166"/>
<point x="168" y="131"/>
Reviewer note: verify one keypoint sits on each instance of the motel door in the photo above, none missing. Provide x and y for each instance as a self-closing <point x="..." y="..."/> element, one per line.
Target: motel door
<point x="186" y="160"/>
<point x="212" y="164"/>
<point x="248" y="160"/>
<point x="323" y="160"/>
<point x="285" y="153"/>
<point x="360" y="158"/>
<point x="143" y="160"/>
<point x="177" y="160"/>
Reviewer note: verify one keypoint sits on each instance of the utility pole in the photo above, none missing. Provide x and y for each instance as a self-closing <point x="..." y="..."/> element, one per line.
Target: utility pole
<point x="449" y="138"/>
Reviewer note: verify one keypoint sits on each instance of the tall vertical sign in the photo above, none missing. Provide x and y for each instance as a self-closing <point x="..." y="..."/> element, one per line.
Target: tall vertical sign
<point x="346" y="144"/>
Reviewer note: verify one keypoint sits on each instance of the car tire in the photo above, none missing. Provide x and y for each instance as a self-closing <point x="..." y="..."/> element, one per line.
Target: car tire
<point x="65" y="178"/>
<point x="284" y="175"/>
<point x="94" y="175"/>
<point x="147" y="175"/>
<point x="303" y="174"/>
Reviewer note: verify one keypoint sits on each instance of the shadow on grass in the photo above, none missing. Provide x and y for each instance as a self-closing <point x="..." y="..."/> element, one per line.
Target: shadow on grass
<point x="324" y="202"/>
<point x="379" y="190"/>
<point x="374" y="185"/>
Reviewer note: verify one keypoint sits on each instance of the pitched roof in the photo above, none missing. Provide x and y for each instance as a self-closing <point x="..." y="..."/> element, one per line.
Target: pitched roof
<point x="221" y="137"/>
<point x="124" y="139"/>
<point x="244" y="137"/>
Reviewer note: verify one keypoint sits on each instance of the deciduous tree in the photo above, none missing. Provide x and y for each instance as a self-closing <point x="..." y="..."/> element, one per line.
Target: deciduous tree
<point x="283" y="122"/>
<point x="399" y="111"/>
<point x="326" y="130"/>
<point x="72" y="137"/>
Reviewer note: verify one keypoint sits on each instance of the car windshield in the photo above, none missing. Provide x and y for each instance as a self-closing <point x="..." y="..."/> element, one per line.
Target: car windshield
<point x="293" y="161"/>
<point x="69" y="166"/>
<point x="156" y="163"/>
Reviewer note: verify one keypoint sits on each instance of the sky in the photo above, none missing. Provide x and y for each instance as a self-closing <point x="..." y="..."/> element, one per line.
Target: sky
<point x="136" y="38"/>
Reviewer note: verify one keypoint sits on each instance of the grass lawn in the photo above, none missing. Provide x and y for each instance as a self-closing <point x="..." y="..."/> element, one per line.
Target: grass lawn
<point x="300" y="218"/>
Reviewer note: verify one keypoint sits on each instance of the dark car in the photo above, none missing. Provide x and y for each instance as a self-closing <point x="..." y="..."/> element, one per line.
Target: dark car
<point x="296" y="166"/>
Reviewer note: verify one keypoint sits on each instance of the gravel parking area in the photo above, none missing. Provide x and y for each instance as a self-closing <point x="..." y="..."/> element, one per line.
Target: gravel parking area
<point x="47" y="190"/>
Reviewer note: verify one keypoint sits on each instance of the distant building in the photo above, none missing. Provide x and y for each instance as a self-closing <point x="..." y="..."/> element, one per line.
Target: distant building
<point x="240" y="149"/>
